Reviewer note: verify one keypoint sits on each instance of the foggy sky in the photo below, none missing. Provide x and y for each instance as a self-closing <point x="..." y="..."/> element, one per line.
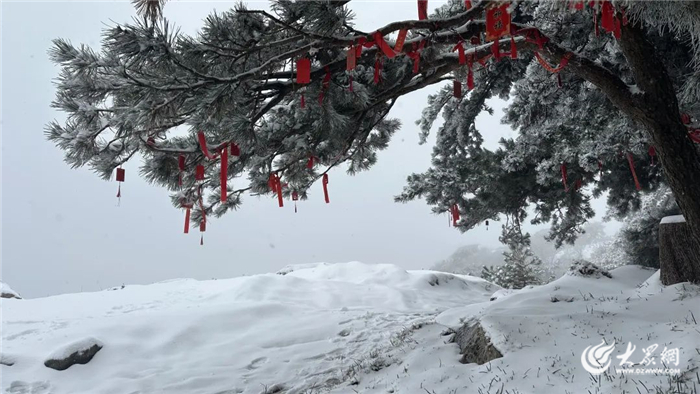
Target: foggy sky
<point x="62" y="230"/>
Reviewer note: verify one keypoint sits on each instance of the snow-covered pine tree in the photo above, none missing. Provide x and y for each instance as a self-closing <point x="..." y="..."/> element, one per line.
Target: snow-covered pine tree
<point x="521" y="267"/>
<point x="150" y="89"/>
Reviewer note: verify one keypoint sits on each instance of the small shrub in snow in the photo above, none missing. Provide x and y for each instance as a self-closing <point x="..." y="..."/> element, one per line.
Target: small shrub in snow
<point x="587" y="269"/>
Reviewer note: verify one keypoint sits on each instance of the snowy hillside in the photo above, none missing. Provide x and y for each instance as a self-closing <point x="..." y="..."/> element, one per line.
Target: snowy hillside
<point x="346" y="328"/>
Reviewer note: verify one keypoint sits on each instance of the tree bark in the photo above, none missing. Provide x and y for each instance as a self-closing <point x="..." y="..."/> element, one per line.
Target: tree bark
<point x="661" y="115"/>
<point x="679" y="255"/>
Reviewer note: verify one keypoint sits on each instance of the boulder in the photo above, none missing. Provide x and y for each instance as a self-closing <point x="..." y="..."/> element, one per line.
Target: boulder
<point x="474" y="345"/>
<point x="79" y="352"/>
<point x="7" y="292"/>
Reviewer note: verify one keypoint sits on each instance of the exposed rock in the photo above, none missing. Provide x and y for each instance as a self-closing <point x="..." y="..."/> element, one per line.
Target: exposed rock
<point x="7" y="292"/>
<point x="474" y="345"/>
<point x="80" y="352"/>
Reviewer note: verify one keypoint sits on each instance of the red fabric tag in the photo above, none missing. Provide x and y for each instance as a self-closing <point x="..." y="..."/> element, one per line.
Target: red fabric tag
<point x="303" y="101"/>
<point x="187" y="219"/>
<point x="199" y="173"/>
<point x="400" y="40"/>
<point x="454" y="210"/>
<point x="272" y="183"/>
<point x="325" y="188"/>
<point x="496" y="50"/>
<point x="303" y="71"/>
<point x="278" y="182"/>
<point x="120" y="174"/>
<point x="630" y="160"/>
<point x="203" y="145"/>
<point x="351" y="61"/>
<point x="460" y="50"/>
<point x="383" y="46"/>
<point x="422" y="9"/>
<point x="607" y="16"/>
<point x="564" y="177"/>
<point x="694" y="135"/>
<point x="457" y="89"/>
<point x="513" y="48"/>
<point x="377" y="71"/>
<point x="497" y="22"/>
<point x="579" y="5"/>
<point x="235" y="150"/>
<point x="310" y="163"/>
<point x="203" y="226"/>
<point x="224" y="173"/>
<point x="468" y="4"/>
<point x="685" y="118"/>
<point x="476" y="40"/>
<point x="181" y="162"/>
<point x="652" y="153"/>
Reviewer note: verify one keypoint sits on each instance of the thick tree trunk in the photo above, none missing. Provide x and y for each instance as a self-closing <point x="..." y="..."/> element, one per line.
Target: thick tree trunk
<point x="679" y="255"/>
<point x="657" y="109"/>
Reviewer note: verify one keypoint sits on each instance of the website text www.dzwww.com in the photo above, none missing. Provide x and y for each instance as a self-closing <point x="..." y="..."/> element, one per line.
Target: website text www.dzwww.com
<point x="648" y="371"/>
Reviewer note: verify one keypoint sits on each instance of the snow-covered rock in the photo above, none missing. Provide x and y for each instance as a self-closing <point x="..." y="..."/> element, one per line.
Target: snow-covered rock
<point x="78" y="352"/>
<point x="7" y="292"/>
<point x="673" y="219"/>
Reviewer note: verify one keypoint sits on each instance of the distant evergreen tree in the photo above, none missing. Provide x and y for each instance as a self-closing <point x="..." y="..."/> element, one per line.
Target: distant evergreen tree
<point x="521" y="267"/>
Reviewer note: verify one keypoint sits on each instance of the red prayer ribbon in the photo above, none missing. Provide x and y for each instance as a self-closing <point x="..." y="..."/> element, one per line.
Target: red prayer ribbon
<point x="457" y="88"/>
<point x="303" y="71"/>
<point x="351" y="61"/>
<point x="454" y="210"/>
<point x="460" y="48"/>
<point x="203" y="145"/>
<point x="400" y="40"/>
<point x="630" y="160"/>
<point x="280" y="200"/>
<point x="377" y="71"/>
<point x="325" y="188"/>
<point x="381" y="44"/>
<point x="187" y="218"/>
<point x="181" y="168"/>
<point x="652" y="153"/>
<point x="224" y="173"/>
<point x="564" y="177"/>
<point x="607" y="17"/>
<point x="235" y="150"/>
<point x="422" y="9"/>
<point x="199" y="173"/>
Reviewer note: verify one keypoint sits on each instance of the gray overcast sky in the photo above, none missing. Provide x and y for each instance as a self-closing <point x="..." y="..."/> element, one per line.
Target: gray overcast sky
<point x="62" y="230"/>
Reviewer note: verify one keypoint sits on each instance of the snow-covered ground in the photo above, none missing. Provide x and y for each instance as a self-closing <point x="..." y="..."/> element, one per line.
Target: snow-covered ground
<point x="348" y="328"/>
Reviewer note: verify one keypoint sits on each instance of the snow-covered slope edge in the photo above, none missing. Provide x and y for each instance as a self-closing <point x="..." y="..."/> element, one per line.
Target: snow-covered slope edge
<point x="318" y="326"/>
